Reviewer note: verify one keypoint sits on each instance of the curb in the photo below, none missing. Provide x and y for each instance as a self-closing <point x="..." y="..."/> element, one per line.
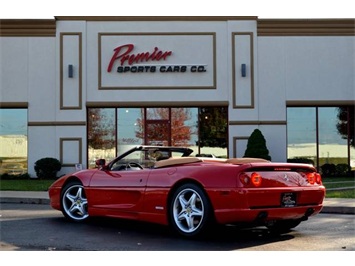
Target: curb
<point x="338" y="210"/>
<point x="25" y="200"/>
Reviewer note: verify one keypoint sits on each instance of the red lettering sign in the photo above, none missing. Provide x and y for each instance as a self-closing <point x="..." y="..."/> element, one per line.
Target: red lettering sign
<point x="124" y="55"/>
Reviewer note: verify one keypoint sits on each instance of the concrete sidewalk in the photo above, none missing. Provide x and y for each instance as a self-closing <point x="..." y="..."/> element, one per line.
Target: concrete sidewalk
<point x="31" y="197"/>
<point x="331" y="205"/>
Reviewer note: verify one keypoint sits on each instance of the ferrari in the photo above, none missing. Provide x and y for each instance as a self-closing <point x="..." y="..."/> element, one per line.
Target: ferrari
<point x="189" y="194"/>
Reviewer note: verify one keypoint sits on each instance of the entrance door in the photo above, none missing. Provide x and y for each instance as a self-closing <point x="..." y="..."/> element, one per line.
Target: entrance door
<point x="157" y="126"/>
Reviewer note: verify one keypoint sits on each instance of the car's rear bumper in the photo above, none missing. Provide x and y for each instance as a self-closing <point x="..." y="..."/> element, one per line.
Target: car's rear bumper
<point x="266" y="214"/>
<point x="249" y="205"/>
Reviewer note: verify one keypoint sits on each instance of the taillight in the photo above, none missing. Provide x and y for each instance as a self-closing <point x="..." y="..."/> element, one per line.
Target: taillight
<point x="254" y="179"/>
<point x="244" y="178"/>
<point x="311" y="178"/>
<point x="314" y="178"/>
<point x="318" y="178"/>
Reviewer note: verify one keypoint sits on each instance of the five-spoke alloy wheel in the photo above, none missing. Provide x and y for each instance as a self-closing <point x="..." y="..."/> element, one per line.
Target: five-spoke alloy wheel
<point x="189" y="210"/>
<point x="74" y="202"/>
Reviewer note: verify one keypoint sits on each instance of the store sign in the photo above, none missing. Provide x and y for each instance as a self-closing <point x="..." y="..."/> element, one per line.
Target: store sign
<point x="154" y="61"/>
<point x="126" y="60"/>
<point x="124" y="54"/>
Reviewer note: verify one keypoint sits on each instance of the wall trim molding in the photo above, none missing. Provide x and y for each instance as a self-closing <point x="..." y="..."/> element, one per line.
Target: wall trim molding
<point x="13" y="104"/>
<point x="155" y="104"/>
<point x="318" y="103"/>
<point x="56" y="123"/>
<point x="256" y="123"/>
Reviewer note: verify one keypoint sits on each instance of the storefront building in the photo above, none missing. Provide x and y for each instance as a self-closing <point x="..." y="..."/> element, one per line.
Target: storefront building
<point x="82" y="88"/>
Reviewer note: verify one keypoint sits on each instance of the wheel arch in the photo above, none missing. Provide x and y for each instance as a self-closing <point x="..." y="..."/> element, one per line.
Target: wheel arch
<point x="183" y="182"/>
<point x="67" y="181"/>
<point x="72" y="179"/>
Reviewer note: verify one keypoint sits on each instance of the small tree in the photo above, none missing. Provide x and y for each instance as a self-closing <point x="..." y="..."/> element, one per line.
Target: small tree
<point x="256" y="147"/>
<point x="47" y="168"/>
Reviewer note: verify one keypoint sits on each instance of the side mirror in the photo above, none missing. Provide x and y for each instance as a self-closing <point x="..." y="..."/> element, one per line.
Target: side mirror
<point x="100" y="163"/>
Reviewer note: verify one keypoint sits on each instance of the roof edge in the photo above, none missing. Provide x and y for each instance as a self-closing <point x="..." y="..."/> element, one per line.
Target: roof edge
<point x="27" y="27"/>
<point x="306" y="27"/>
<point x="156" y="18"/>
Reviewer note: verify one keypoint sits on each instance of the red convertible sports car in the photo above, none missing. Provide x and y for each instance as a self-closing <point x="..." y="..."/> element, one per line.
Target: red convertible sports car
<point x="165" y="185"/>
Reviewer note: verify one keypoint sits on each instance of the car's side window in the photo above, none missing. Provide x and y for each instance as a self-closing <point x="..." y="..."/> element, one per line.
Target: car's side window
<point x="119" y="166"/>
<point x="143" y="159"/>
<point x="137" y="160"/>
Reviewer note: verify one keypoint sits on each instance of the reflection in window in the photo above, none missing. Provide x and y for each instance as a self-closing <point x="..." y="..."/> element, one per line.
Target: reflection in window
<point x="302" y="133"/>
<point x="346" y="128"/>
<point x="352" y="158"/>
<point x="213" y="132"/>
<point x="101" y="134"/>
<point x="13" y="141"/>
<point x="157" y="129"/>
<point x="129" y="126"/>
<point x="333" y="149"/>
<point x="183" y="126"/>
<point x="112" y="131"/>
<point x="323" y="134"/>
<point x="157" y="113"/>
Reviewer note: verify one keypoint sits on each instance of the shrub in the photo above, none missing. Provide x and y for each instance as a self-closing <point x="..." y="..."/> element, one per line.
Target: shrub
<point x="328" y="169"/>
<point x="47" y="168"/>
<point x="256" y="146"/>
<point x="342" y="169"/>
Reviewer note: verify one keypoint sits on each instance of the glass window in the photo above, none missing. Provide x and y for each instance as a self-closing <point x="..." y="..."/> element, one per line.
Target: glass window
<point x="101" y="134"/>
<point x="352" y="158"/>
<point x="136" y="160"/>
<point x="129" y="128"/>
<point x="157" y="113"/>
<point x="333" y="148"/>
<point x="157" y="129"/>
<point x="144" y="158"/>
<point x="213" y="132"/>
<point x="112" y="131"/>
<point x="13" y="141"/>
<point x="323" y="134"/>
<point x="302" y="133"/>
<point x="184" y="127"/>
<point x="346" y="128"/>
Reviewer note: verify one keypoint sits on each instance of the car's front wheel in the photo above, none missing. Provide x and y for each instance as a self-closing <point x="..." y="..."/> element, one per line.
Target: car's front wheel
<point x="190" y="210"/>
<point x="74" y="202"/>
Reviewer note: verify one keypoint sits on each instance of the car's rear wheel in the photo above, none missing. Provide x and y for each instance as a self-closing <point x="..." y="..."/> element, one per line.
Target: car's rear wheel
<point x="74" y="202"/>
<point x="190" y="210"/>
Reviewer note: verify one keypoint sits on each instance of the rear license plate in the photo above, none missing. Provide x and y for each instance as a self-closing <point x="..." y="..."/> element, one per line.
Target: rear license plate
<point x="288" y="199"/>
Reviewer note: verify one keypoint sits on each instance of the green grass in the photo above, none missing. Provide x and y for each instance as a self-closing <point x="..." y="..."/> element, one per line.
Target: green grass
<point x="43" y="185"/>
<point x="25" y="185"/>
<point x="339" y="182"/>
<point x="341" y="194"/>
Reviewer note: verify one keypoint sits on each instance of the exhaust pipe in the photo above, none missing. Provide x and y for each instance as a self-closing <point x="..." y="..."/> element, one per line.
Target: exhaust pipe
<point x="308" y="213"/>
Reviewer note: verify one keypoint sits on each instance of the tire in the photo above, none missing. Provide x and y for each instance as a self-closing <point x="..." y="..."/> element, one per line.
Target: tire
<point x="74" y="203"/>
<point x="190" y="211"/>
